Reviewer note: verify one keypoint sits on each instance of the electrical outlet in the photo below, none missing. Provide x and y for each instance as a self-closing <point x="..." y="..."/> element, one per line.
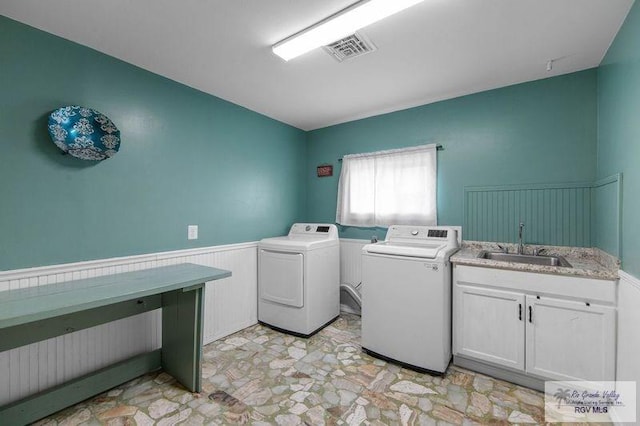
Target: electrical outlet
<point x="192" y="232"/>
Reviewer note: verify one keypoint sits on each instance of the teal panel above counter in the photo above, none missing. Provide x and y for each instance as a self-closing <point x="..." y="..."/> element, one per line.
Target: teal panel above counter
<point x="560" y="214"/>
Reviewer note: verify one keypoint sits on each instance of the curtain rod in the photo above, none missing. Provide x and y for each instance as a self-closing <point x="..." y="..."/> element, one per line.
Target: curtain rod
<point x="438" y="148"/>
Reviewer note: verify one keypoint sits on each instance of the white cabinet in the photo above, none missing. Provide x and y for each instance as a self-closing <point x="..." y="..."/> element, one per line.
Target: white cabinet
<point x="489" y="325"/>
<point x="533" y="326"/>
<point x="569" y="340"/>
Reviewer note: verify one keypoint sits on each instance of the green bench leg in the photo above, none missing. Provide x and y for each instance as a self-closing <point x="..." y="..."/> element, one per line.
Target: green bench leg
<point x="182" y="312"/>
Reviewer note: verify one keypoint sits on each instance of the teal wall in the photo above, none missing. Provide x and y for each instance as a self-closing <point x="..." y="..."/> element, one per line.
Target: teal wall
<point x="186" y="158"/>
<point x="538" y="132"/>
<point x="619" y="133"/>
<point x="191" y="158"/>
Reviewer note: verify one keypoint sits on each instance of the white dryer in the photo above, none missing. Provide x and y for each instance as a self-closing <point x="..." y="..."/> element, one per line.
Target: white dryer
<point x="299" y="279"/>
<point x="406" y="296"/>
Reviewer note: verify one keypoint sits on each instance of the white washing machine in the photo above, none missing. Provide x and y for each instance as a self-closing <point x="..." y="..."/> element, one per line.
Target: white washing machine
<point x="299" y="279"/>
<point x="406" y="296"/>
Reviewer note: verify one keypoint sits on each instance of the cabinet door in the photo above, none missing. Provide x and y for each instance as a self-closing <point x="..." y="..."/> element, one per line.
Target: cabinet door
<point x="489" y="325"/>
<point x="569" y="340"/>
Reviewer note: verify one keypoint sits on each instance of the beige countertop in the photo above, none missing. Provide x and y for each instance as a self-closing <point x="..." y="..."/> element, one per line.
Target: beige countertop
<point x="585" y="262"/>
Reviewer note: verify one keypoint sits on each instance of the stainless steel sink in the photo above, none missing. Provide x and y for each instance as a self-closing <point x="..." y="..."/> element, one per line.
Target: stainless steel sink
<point x="524" y="258"/>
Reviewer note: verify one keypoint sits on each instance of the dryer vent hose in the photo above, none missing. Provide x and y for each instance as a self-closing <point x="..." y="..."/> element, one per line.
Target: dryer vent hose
<point x="353" y="292"/>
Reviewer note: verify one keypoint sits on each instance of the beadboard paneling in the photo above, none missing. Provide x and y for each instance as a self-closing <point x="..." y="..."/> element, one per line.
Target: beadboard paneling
<point x="553" y="214"/>
<point x="351" y="260"/>
<point x="230" y="305"/>
<point x="350" y="271"/>
<point x="565" y="214"/>
<point x="628" y="367"/>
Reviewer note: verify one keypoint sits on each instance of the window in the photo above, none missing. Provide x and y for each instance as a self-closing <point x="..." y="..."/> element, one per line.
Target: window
<point x="388" y="187"/>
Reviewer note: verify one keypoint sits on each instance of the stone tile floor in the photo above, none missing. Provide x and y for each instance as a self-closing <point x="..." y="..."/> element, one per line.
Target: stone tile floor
<point x="259" y="376"/>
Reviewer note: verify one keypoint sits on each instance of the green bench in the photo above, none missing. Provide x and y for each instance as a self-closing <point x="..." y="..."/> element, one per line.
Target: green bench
<point x="33" y="314"/>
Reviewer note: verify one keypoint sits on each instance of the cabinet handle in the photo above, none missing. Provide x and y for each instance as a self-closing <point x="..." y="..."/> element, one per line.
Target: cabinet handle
<point x="530" y="314"/>
<point x="520" y="311"/>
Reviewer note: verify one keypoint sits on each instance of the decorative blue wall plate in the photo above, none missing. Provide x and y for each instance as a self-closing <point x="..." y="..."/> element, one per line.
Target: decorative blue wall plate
<point x="84" y="133"/>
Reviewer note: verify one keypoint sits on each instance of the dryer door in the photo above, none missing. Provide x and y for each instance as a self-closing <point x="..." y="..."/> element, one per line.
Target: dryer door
<point x="281" y="277"/>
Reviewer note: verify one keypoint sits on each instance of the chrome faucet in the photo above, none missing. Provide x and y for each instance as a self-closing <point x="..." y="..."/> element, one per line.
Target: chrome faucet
<point x="520" y="245"/>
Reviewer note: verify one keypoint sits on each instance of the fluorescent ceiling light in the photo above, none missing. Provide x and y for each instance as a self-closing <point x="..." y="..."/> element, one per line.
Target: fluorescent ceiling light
<point x="340" y="25"/>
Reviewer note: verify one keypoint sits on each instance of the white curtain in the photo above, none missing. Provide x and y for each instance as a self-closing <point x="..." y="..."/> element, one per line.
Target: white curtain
<point x="395" y="187"/>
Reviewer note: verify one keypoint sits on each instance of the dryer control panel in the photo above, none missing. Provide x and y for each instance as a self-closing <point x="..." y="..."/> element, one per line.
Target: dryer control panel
<point x="323" y="230"/>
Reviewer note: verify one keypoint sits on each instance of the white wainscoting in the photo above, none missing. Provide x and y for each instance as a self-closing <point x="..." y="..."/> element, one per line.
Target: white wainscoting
<point x="628" y="367"/>
<point x="350" y="271"/>
<point x="230" y="305"/>
<point x="351" y="260"/>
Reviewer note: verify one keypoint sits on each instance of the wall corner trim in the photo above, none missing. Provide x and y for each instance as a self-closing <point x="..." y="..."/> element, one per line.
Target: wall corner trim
<point x="607" y="180"/>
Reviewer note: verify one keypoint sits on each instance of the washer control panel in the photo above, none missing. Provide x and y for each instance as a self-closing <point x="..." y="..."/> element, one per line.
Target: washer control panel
<point x="437" y="233"/>
<point x="422" y="234"/>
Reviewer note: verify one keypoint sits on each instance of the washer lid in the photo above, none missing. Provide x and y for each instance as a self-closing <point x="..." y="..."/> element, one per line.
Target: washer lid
<point x="422" y="250"/>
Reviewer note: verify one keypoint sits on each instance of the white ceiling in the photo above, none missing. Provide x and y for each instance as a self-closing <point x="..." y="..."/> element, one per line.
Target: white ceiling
<point x="436" y="50"/>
